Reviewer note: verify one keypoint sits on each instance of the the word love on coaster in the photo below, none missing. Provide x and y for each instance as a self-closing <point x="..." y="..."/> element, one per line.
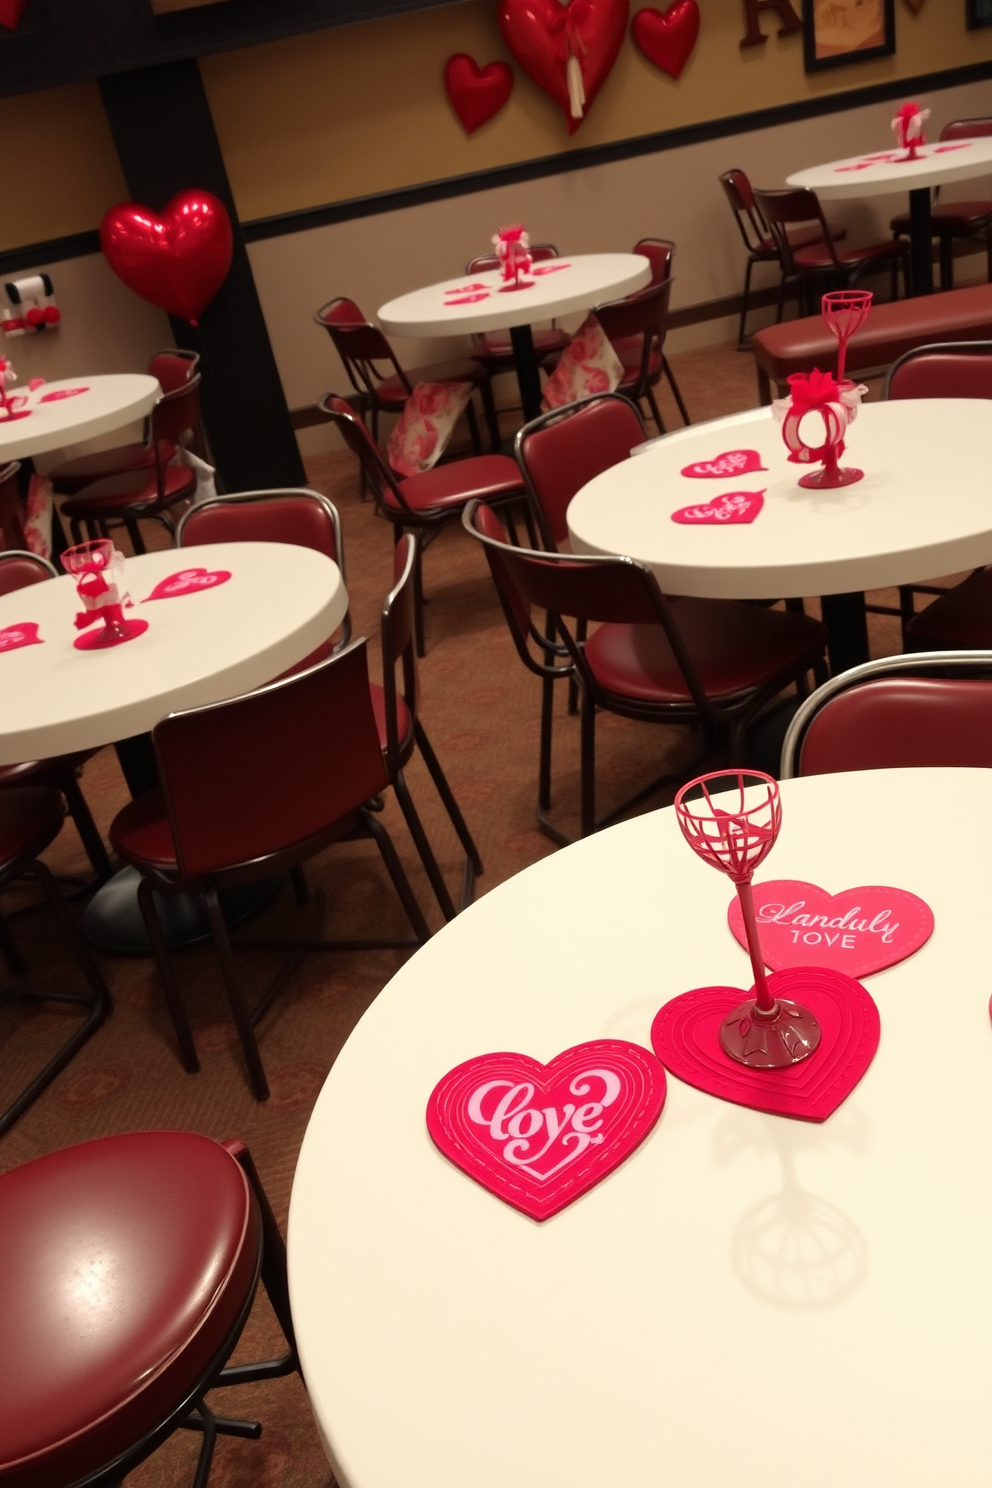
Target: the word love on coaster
<point x="857" y="931"/>
<point x="686" y="1036"/>
<point x="539" y="1135"/>
<point x="731" y="462"/>
<point x="731" y="509"/>
<point x="13" y="637"/>
<point x="188" y="581"/>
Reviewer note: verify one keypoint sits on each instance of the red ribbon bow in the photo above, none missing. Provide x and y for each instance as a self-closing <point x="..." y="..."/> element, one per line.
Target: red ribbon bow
<point x="814" y="391"/>
<point x="569" y="21"/>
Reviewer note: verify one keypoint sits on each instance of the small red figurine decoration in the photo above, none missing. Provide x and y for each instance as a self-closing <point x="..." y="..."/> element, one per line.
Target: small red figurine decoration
<point x="764" y="1032"/>
<point x="512" y="246"/>
<point x="13" y="408"/>
<point x="98" y="568"/>
<point x="837" y="406"/>
<point x="907" y="126"/>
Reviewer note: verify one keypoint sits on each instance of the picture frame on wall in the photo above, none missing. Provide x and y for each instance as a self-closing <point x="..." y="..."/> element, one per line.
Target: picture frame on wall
<point x="978" y="13"/>
<point x="838" y="32"/>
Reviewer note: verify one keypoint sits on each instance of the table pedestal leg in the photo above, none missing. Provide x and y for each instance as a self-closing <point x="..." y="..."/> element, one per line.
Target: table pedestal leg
<point x="845" y="618"/>
<point x="921" y="242"/>
<point x="528" y="375"/>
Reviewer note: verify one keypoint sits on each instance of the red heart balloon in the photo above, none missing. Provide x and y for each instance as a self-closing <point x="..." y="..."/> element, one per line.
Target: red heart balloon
<point x="542" y="34"/>
<point x="539" y="1135"/>
<point x="476" y="93"/>
<point x="178" y="260"/>
<point x="11" y="12"/>
<point x="667" y="37"/>
<point x="728" y="510"/>
<point x="685" y="1037"/>
<point x="188" y="581"/>
<point x="731" y="462"/>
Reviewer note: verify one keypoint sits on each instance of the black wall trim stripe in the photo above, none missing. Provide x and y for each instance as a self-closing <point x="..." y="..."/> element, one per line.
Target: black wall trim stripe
<point x="53" y="250"/>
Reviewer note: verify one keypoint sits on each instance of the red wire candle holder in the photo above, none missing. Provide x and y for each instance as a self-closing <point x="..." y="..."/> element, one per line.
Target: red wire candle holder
<point x="764" y="1032"/>
<point x="98" y="569"/>
<point x="836" y="404"/>
<point x="845" y="312"/>
<point x="512" y="246"/>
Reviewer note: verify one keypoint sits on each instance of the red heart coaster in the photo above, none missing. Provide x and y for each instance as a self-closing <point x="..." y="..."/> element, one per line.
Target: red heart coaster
<point x="857" y="931"/>
<point x="685" y="1036"/>
<point x="731" y="462"/>
<point x="188" y="581"/>
<point x="13" y="637"/>
<point x="61" y="393"/>
<point x="11" y="12"/>
<point x="541" y="34"/>
<point x="476" y="93"/>
<point x="667" y="37"/>
<point x="539" y="1135"/>
<point x="730" y="509"/>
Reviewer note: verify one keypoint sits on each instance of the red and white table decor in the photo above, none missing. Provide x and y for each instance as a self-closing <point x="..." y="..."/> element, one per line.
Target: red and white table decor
<point x="908" y="128"/>
<point x="98" y="569"/>
<point x="820" y="395"/>
<point x="858" y="931"/>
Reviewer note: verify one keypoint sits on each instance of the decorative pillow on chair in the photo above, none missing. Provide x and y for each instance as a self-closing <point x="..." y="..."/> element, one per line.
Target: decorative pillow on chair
<point x="425" y="426"/>
<point x="588" y="365"/>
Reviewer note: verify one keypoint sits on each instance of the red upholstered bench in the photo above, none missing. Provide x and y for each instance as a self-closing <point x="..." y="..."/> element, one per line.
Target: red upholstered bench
<point x="801" y="345"/>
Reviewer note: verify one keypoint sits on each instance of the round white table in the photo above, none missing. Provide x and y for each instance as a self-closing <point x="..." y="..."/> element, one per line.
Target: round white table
<point x="923" y="508"/>
<point x="881" y="172"/>
<point x="748" y="1299"/>
<point x="559" y="286"/>
<point x="109" y="402"/>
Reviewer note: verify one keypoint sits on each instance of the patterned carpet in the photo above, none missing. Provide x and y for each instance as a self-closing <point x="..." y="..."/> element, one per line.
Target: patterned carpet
<point x="480" y="709"/>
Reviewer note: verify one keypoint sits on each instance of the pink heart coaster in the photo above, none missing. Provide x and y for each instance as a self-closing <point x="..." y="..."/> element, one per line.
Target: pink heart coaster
<point x="60" y="393"/>
<point x="13" y="637"/>
<point x="472" y="299"/>
<point x="548" y="268"/>
<point x="188" y="581"/>
<point x="685" y="1036"/>
<point x="730" y="509"/>
<point x="731" y="462"/>
<point x="857" y="931"/>
<point x="539" y="1135"/>
<point x="467" y="289"/>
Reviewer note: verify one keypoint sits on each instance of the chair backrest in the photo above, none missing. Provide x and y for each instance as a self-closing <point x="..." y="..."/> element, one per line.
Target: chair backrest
<point x="262" y="773"/>
<point x="950" y="369"/>
<point x="932" y="708"/>
<point x="173" y="366"/>
<point x="659" y="252"/>
<point x="793" y="207"/>
<point x="643" y="314"/>
<point x="361" y="443"/>
<point x="966" y="129"/>
<point x="488" y="261"/>
<point x="18" y="568"/>
<point x="359" y="344"/>
<point x="750" y="224"/>
<point x="176" y="420"/>
<point x="11" y="514"/>
<point x="398" y="632"/>
<point x="562" y="451"/>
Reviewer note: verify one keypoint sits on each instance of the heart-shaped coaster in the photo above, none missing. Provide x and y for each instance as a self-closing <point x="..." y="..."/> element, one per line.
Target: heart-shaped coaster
<point x="667" y="37"/>
<point x="731" y="462"/>
<point x="13" y="637"/>
<point x="60" y="393"/>
<point x="188" y="581"/>
<point x="543" y="34"/>
<point x="476" y="93"/>
<point x="857" y="931"/>
<point x="727" y="510"/>
<point x="539" y="1135"/>
<point x="463" y="289"/>
<point x="472" y="299"/>
<point x="685" y="1037"/>
<point x="548" y="268"/>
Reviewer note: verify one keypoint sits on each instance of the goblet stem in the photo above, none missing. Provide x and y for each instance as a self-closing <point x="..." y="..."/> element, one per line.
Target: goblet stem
<point x="765" y="1003"/>
<point x="841" y="356"/>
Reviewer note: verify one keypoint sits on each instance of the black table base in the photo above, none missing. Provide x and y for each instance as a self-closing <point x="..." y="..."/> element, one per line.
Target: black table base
<point x="921" y="242"/>
<point x="845" y="618"/>
<point x="528" y="372"/>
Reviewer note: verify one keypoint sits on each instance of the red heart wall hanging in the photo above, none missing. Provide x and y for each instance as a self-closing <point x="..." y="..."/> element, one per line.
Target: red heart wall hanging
<point x="188" y="581"/>
<point x="729" y="510"/>
<point x="667" y="37"/>
<point x="177" y="259"/>
<point x="685" y="1037"/>
<point x="857" y="931"/>
<point x="11" y="12"/>
<point x="539" y="1135"/>
<point x="476" y="93"/>
<point x="557" y="45"/>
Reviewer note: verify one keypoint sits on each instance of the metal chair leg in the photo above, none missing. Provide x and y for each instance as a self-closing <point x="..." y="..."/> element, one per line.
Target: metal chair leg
<point x="167" y="974"/>
<point x="745" y="303"/>
<point x="235" y="994"/>
<point x="473" y="427"/>
<point x="676" y="393"/>
<point x="401" y="883"/>
<point x="85" y="825"/>
<point x="588" y="764"/>
<point x="424" y="849"/>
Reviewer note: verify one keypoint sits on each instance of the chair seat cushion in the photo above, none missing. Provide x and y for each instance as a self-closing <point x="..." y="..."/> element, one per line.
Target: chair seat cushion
<point x="452" y="486"/>
<point x="404" y="721"/>
<point x="392" y="394"/>
<point x="30" y="818"/>
<point x="141" y="833"/>
<point x="125" y="1265"/>
<point x="950" y="218"/>
<point x="72" y="475"/>
<point x="961" y="619"/>
<point x="735" y="648"/>
<point x="630" y="350"/>
<point x="130" y="489"/>
<point x="818" y="257"/>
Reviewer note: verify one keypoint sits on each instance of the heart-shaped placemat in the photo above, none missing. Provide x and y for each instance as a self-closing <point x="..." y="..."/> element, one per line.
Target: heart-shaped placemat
<point x="685" y="1037"/>
<point x="13" y="637"/>
<point x="188" y="581"/>
<point x="857" y="931"/>
<point x="729" y="510"/>
<point x="539" y="1135"/>
<point x="730" y="463"/>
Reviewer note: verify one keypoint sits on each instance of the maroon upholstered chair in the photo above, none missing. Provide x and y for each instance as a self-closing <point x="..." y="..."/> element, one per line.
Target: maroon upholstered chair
<point x="11" y="513"/>
<point x="367" y="356"/>
<point x="251" y="787"/>
<point x="896" y="713"/>
<point x="17" y="570"/>
<point x="807" y="266"/>
<point x="173" y="368"/>
<point x="30" y="820"/>
<point x="659" y="252"/>
<point x="709" y="663"/>
<point x="295" y="515"/>
<point x="959" y="219"/>
<point x="494" y="349"/>
<point x="397" y="715"/>
<point x="758" y="240"/>
<point x="151" y="491"/>
<point x="426" y="502"/>
<point x="637" y="327"/>
<point x="128" y="1269"/>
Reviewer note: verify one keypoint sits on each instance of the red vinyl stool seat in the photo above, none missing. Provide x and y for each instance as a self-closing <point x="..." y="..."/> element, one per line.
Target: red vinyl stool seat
<point x="128" y="1266"/>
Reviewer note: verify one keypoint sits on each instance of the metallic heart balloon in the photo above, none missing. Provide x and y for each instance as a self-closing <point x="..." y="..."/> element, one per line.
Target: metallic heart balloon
<point x="568" y="50"/>
<point x="178" y="259"/>
<point x="667" y="37"/>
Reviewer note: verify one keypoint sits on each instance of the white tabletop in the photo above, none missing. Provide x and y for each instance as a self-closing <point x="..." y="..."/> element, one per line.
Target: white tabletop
<point x="560" y="285"/>
<point x="872" y="174"/>
<point x="835" y="1276"/>
<point x="109" y="402"/>
<point x="924" y="507"/>
<point x="280" y="603"/>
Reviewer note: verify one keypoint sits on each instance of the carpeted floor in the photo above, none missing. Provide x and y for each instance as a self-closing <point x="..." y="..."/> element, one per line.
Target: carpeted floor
<point x="480" y="709"/>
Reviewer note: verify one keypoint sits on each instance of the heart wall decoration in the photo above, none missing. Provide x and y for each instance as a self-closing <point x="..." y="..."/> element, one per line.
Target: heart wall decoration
<point x="177" y="259"/>
<point x="476" y="93"/>
<point x="540" y="1135"/>
<point x="568" y="50"/>
<point x="11" y="12"/>
<point x="668" y="37"/>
